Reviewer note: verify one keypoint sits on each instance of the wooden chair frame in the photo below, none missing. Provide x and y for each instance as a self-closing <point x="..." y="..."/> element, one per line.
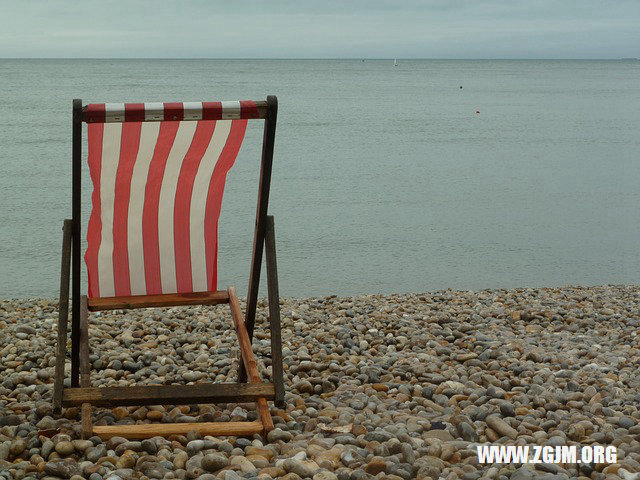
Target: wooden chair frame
<point x="83" y="395"/>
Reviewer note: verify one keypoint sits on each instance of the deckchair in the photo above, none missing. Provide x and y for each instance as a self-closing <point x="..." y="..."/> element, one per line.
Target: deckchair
<point x="158" y="173"/>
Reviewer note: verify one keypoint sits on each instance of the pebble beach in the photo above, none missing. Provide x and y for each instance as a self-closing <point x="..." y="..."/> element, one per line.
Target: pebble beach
<point x="378" y="386"/>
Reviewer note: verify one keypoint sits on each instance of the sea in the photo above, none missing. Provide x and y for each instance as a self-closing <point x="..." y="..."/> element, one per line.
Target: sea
<point x="428" y="175"/>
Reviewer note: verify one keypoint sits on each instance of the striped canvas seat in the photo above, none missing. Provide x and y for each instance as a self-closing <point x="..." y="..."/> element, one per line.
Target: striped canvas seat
<point x="158" y="172"/>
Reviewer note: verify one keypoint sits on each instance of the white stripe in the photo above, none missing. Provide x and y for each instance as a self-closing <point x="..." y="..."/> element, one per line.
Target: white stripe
<point x="113" y="112"/>
<point x="153" y="111"/>
<point x="148" y="138"/>
<point x="199" y="203"/>
<point x="109" y="167"/>
<point x="230" y="110"/>
<point x="181" y="144"/>
<point x="192" y="110"/>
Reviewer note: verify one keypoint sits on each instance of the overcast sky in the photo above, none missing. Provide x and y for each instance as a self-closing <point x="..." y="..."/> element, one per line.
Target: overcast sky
<point x="321" y="28"/>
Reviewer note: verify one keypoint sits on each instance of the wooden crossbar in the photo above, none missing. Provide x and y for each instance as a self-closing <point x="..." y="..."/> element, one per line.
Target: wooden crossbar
<point x="165" y="300"/>
<point x="168" y="394"/>
<point x="215" y="429"/>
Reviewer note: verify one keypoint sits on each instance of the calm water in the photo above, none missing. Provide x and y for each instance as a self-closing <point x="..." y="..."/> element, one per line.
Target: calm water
<point x="385" y="179"/>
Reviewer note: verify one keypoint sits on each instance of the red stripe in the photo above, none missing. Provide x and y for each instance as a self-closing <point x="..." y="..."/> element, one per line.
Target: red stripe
<point x="134" y="112"/>
<point x="182" y="207"/>
<point x="94" y="229"/>
<point x="166" y="137"/>
<point x="214" y="198"/>
<point x="211" y="110"/>
<point x="129" y="144"/>
<point x="173" y="111"/>
<point x="95" y="113"/>
<point x="248" y="109"/>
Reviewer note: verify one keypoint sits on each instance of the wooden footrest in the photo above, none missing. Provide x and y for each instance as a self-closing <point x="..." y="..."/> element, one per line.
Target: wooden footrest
<point x="168" y="394"/>
<point x="215" y="429"/>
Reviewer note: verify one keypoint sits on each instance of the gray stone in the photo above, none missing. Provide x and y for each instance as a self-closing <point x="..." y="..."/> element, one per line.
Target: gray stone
<point x="5" y="449"/>
<point x="295" y="466"/>
<point x="324" y="475"/>
<point x="95" y="453"/>
<point x="62" y="468"/>
<point x="149" y="446"/>
<point x="407" y="453"/>
<point x="626" y="422"/>
<point x="523" y="473"/>
<point x="277" y="434"/>
<point x="231" y="475"/>
<point x="213" y="462"/>
<point x="194" y="446"/>
<point x="18" y="446"/>
<point x="378" y="436"/>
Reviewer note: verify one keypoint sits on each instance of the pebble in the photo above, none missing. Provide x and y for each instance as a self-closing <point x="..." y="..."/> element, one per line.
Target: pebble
<point x="298" y="467"/>
<point x="279" y="435"/>
<point x="502" y="427"/>
<point x="394" y="387"/>
<point x="213" y="462"/>
<point x="65" y="448"/>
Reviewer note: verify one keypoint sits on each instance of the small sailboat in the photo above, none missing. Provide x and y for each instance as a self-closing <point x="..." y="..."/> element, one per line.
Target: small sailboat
<point x="395" y="62"/>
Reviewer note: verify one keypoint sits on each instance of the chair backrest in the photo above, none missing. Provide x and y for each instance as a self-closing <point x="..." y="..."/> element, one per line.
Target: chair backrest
<point x="158" y="172"/>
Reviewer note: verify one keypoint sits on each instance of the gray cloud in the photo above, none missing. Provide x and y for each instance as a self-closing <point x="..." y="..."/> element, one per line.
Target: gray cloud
<point x="295" y="29"/>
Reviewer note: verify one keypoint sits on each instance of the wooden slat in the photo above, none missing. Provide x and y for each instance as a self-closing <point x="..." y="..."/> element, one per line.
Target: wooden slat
<point x="168" y="394"/>
<point x="274" y="311"/>
<point x="85" y="367"/>
<point x="248" y="357"/>
<point x="63" y="315"/>
<point x="166" y="300"/>
<point x="261" y="105"/>
<point x="216" y="429"/>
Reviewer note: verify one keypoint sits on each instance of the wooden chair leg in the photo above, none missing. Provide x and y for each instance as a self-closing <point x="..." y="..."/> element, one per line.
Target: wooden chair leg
<point x="248" y="357"/>
<point x="85" y="367"/>
<point x="274" y="312"/>
<point x="63" y="316"/>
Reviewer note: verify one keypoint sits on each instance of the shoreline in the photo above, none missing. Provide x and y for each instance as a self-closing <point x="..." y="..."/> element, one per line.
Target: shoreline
<point x="378" y="386"/>
<point x="390" y="294"/>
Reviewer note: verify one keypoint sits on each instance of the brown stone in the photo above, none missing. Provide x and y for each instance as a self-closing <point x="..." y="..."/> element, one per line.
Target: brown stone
<point x="126" y="461"/>
<point x="120" y="412"/>
<point x="331" y="456"/>
<point x="375" y="466"/>
<point x="273" y="472"/>
<point x="498" y="425"/>
<point x="258" y="461"/>
<point x="359" y="430"/>
<point x="491" y="435"/>
<point x="611" y="469"/>
<point x="263" y="452"/>
<point x="283" y="415"/>
<point x="154" y="415"/>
